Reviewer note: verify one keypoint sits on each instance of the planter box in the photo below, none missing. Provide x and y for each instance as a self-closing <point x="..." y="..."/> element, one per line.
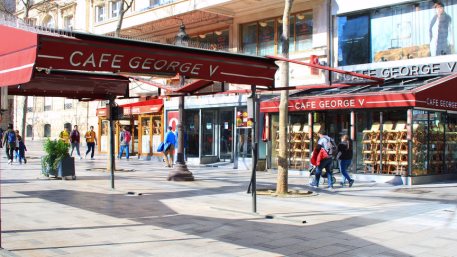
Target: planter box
<point x="66" y="167"/>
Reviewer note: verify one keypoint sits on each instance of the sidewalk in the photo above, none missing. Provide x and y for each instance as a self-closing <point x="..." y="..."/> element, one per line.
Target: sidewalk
<point x="212" y="215"/>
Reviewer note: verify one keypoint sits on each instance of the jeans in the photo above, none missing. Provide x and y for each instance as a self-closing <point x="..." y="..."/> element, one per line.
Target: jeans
<point x="73" y="146"/>
<point x="344" y="165"/>
<point x="327" y="164"/>
<point x="9" y="149"/>
<point x="90" y="147"/>
<point x="121" y="151"/>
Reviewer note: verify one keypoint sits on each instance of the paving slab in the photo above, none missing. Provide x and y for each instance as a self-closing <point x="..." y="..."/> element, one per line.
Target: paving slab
<point x="213" y="216"/>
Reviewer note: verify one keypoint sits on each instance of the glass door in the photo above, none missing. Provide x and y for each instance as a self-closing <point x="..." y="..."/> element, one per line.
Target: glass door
<point x="208" y="132"/>
<point x="145" y="130"/>
<point x="226" y="125"/>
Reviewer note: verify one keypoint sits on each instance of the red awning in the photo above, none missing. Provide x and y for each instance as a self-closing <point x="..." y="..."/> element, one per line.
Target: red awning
<point x="439" y="94"/>
<point x="72" y="85"/>
<point x="85" y="52"/>
<point x="149" y="106"/>
<point x="18" y="51"/>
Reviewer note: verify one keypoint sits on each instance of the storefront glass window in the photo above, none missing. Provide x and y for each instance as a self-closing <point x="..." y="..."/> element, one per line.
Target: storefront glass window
<point x="436" y="147"/>
<point x="226" y="134"/>
<point x="192" y="123"/>
<point x="146" y="135"/>
<point x="420" y="143"/>
<point x="399" y="32"/>
<point x="451" y="143"/>
<point x="274" y="135"/>
<point x="104" y="130"/>
<point x="382" y="145"/>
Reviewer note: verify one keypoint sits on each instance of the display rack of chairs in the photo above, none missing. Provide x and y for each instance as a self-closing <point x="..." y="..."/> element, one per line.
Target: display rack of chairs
<point x="369" y="146"/>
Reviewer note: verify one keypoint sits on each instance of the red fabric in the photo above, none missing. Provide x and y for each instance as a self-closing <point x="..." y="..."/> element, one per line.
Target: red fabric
<point x="318" y="156"/>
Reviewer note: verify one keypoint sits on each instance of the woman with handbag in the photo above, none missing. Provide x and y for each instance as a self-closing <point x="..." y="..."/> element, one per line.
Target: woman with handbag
<point x="344" y="157"/>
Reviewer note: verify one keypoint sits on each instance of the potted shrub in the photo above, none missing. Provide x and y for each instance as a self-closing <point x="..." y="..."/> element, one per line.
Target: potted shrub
<point x="57" y="161"/>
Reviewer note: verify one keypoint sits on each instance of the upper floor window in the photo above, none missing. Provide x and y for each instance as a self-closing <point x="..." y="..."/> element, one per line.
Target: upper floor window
<point x="99" y="13"/>
<point x="160" y="2"/>
<point x="115" y="8"/>
<point x="216" y="40"/>
<point x="30" y="103"/>
<point x="68" y="22"/>
<point x="68" y="104"/>
<point x="47" y="103"/>
<point x="264" y="37"/>
<point x="48" y="22"/>
<point x="353" y="40"/>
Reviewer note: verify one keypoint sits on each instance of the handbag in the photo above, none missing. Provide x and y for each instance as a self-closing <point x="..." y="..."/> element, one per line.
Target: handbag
<point x="160" y="147"/>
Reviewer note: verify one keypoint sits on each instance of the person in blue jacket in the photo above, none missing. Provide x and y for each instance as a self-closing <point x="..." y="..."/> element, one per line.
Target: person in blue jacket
<point x="169" y="147"/>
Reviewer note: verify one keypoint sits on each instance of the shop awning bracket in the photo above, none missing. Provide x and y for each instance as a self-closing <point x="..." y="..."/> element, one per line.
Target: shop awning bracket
<point x="317" y="66"/>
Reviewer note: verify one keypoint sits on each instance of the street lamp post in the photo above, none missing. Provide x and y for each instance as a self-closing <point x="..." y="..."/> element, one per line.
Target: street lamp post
<point x="180" y="172"/>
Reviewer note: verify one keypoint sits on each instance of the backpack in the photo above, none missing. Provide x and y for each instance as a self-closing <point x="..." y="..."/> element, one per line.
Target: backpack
<point x="127" y="137"/>
<point x="11" y="137"/>
<point x="331" y="147"/>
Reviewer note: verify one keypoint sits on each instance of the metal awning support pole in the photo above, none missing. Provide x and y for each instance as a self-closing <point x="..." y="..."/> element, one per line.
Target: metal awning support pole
<point x="255" y="150"/>
<point x="111" y="140"/>
<point x="180" y="171"/>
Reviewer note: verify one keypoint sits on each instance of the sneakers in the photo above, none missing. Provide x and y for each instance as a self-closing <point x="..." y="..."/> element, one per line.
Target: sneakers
<point x="80" y="157"/>
<point x="313" y="184"/>
<point x="331" y="189"/>
<point x="10" y="161"/>
<point x="25" y="161"/>
<point x="351" y="182"/>
<point x="92" y="158"/>
<point x="342" y="184"/>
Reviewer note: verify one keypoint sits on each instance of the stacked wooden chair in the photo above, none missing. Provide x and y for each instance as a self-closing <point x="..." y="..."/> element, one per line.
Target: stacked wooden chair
<point x="369" y="147"/>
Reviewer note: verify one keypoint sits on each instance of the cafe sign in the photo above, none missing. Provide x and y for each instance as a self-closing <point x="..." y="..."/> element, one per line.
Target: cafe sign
<point x="406" y="71"/>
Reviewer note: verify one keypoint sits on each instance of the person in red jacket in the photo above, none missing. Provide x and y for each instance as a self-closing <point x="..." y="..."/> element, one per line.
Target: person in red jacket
<point x="321" y="159"/>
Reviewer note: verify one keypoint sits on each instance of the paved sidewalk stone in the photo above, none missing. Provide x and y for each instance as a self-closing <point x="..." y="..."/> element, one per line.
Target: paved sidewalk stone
<point x="212" y="216"/>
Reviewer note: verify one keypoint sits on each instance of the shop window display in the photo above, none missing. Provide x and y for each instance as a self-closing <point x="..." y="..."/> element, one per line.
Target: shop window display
<point x="400" y="32"/>
<point x="434" y="143"/>
<point x="384" y="144"/>
<point x="298" y="139"/>
<point x="451" y="143"/>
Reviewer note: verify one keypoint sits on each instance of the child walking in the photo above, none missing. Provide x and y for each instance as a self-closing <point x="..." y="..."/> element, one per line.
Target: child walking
<point x="21" y="150"/>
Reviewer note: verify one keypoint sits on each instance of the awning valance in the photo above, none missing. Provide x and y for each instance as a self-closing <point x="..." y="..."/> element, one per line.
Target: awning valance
<point x="143" y="107"/>
<point x="438" y="94"/>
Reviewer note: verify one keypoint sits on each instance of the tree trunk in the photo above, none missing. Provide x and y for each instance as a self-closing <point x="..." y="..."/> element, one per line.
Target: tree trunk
<point x="283" y="165"/>
<point x="119" y="22"/>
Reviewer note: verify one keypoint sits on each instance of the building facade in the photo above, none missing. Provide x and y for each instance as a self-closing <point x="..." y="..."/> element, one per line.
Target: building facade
<point x="405" y="126"/>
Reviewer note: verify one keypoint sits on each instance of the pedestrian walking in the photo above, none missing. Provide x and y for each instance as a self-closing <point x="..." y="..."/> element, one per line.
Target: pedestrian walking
<point x="16" y="149"/>
<point x="326" y="162"/>
<point x="318" y="159"/>
<point x="91" y="140"/>
<point x="169" y="147"/>
<point x="344" y="157"/>
<point x="75" y="139"/>
<point x="65" y="136"/>
<point x="9" y="141"/>
<point x="125" y="142"/>
<point x="1" y="137"/>
<point x="21" y="150"/>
